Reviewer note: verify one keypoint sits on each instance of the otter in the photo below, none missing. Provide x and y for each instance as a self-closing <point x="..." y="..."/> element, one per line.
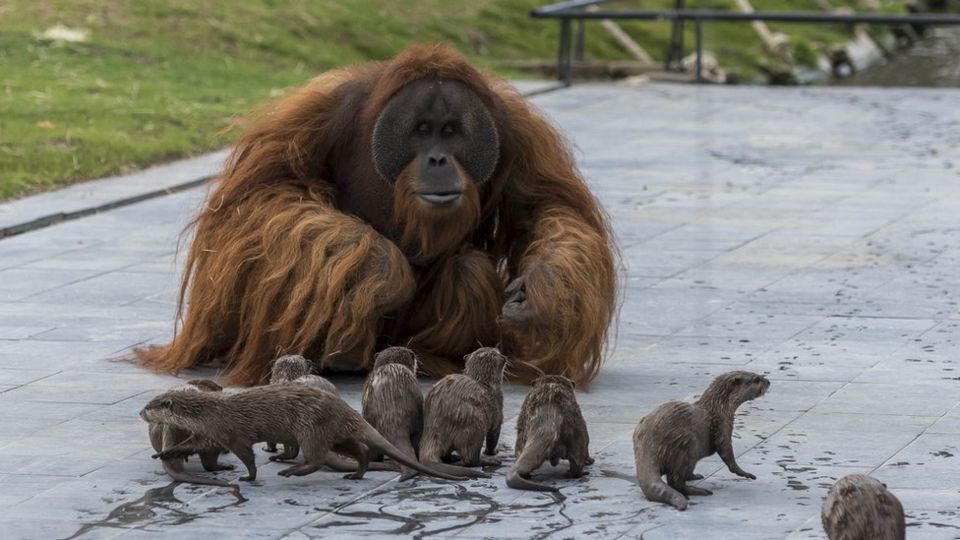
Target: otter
<point x="859" y="507"/>
<point x="295" y="368"/>
<point x="550" y="427"/>
<point x="392" y="402"/>
<point x="290" y="413"/>
<point x="671" y="439"/>
<point x="164" y="436"/>
<point x="288" y="368"/>
<point x="462" y="411"/>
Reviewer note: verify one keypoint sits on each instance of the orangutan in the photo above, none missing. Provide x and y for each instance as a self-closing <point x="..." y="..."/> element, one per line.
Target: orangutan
<point x="415" y="202"/>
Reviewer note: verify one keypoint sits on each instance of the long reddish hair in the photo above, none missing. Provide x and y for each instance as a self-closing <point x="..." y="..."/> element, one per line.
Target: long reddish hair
<point x="275" y="268"/>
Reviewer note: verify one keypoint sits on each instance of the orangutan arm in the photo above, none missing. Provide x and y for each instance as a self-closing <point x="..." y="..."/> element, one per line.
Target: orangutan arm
<point x="560" y="271"/>
<point x="561" y="302"/>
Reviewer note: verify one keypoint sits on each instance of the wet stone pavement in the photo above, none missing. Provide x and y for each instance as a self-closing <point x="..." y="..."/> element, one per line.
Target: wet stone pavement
<point x="812" y="235"/>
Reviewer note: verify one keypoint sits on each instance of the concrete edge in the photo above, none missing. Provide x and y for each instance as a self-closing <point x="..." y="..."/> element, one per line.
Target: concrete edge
<point x="86" y="198"/>
<point x="91" y="197"/>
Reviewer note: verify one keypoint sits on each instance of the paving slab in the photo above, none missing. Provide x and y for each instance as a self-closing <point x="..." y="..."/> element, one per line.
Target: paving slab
<point x="806" y="234"/>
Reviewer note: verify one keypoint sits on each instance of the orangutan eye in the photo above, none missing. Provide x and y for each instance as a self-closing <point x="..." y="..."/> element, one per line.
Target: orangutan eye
<point x="447" y="129"/>
<point x="423" y="128"/>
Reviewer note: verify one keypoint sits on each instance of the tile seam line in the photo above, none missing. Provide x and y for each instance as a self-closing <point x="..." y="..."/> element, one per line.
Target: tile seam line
<point x="48" y="220"/>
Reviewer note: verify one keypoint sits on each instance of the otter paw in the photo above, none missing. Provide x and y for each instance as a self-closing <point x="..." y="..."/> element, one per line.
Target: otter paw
<point x="354" y="476"/>
<point x="745" y="474"/>
<point x="248" y="478"/>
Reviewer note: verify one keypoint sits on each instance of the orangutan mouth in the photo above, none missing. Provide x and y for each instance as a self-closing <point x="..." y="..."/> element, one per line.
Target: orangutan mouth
<point x="440" y="198"/>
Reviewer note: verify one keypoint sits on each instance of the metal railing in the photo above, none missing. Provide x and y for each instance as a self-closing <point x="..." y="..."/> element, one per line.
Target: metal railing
<point x="582" y="10"/>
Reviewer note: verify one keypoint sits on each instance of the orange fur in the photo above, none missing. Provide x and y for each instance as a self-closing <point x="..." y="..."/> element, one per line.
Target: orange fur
<point x="457" y="313"/>
<point x="276" y="268"/>
<point x="429" y="233"/>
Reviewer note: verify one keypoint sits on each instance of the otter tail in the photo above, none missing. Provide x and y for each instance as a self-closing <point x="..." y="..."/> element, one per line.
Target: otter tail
<point x="534" y="453"/>
<point x="339" y="463"/>
<point x="180" y="475"/>
<point x="463" y="472"/>
<point x="516" y="481"/>
<point x="375" y="440"/>
<point x="430" y="455"/>
<point x="404" y="445"/>
<point x="654" y="488"/>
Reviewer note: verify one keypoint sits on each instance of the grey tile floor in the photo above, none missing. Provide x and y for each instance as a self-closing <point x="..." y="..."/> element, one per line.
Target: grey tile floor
<point x="809" y="234"/>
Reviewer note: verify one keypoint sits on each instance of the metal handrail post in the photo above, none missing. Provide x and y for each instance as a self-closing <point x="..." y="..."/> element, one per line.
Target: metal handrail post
<point x="563" y="58"/>
<point x="675" y="50"/>
<point x="699" y="39"/>
<point x="578" y="42"/>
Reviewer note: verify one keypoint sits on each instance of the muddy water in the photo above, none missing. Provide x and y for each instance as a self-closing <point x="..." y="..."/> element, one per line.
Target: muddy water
<point x="932" y="61"/>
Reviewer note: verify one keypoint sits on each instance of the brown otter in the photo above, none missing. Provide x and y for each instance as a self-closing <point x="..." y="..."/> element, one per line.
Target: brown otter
<point x="288" y="413"/>
<point x="671" y="439"/>
<point x="392" y="401"/>
<point x="462" y="411"/>
<point x="295" y="368"/>
<point x="859" y="507"/>
<point x="165" y="436"/>
<point x="286" y="369"/>
<point x="550" y="427"/>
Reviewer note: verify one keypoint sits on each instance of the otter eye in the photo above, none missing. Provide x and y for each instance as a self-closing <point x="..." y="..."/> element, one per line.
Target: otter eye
<point x="423" y="128"/>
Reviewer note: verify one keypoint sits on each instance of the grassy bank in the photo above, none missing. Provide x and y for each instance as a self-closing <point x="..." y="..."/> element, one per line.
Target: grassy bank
<point x="158" y="79"/>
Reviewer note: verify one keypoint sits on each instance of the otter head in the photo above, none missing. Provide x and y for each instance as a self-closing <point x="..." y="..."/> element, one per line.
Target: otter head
<point x="202" y="384"/>
<point x="734" y="388"/>
<point x="289" y="367"/>
<point x="560" y="380"/>
<point x="179" y="407"/>
<point x="486" y="365"/>
<point x="396" y="355"/>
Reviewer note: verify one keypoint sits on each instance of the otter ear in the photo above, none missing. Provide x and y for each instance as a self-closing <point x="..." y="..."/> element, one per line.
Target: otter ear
<point x="573" y="384"/>
<point x="167" y="403"/>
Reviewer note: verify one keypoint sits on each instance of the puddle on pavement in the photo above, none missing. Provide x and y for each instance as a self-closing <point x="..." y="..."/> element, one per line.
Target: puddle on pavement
<point x="158" y="506"/>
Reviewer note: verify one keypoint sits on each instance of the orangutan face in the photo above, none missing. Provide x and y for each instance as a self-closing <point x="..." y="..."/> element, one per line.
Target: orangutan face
<point x="438" y="132"/>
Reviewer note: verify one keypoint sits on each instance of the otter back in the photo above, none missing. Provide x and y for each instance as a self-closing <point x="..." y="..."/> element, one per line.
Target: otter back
<point x="550" y="427"/>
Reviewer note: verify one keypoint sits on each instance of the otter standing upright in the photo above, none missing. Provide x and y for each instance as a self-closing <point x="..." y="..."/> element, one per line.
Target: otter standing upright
<point x="859" y="507"/>
<point x="676" y="435"/>
<point x="392" y="402"/>
<point x="463" y="411"/>
<point x="550" y="427"/>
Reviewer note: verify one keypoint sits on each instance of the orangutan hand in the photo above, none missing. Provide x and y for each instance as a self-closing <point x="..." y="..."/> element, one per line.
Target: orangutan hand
<point x="518" y="309"/>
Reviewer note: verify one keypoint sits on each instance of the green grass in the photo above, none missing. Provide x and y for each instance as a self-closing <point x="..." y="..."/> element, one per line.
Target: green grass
<point x="161" y="79"/>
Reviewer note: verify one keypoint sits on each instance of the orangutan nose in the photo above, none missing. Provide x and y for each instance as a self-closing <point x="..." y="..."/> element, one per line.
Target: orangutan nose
<point x="437" y="160"/>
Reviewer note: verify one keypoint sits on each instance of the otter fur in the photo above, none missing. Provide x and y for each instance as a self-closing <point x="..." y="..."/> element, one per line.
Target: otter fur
<point x="295" y="368"/>
<point x="550" y="427"/>
<point x="462" y="411"/>
<point x="676" y="435"/>
<point x="289" y="413"/>
<point x="859" y="507"/>
<point x="392" y="401"/>
<point x="165" y="436"/>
